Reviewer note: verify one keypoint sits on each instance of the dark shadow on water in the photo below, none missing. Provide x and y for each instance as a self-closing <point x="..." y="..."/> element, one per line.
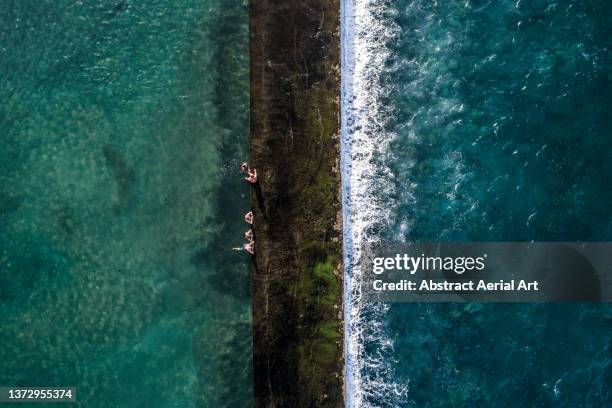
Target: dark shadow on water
<point x="223" y="355"/>
<point x="118" y="8"/>
<point x="123" y="174"/>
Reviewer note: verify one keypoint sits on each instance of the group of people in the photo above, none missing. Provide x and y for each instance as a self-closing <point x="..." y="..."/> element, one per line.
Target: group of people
<point x="251" y="178"/>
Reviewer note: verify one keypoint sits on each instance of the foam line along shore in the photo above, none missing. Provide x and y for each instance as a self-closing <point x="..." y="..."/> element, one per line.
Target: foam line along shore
<point x="367" y="189"/>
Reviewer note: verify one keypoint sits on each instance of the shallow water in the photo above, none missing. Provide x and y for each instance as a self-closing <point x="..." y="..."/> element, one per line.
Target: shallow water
<point x="493" y="120"/>
<point x="123" y="124"/>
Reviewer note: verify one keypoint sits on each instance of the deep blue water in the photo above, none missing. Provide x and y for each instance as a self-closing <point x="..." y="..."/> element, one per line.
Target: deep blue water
<point x="499" y="113"/>
<point x="123" y="124"/>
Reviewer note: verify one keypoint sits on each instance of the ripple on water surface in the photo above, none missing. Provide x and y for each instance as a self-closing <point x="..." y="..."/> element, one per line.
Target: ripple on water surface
<point x="123" y="123"/>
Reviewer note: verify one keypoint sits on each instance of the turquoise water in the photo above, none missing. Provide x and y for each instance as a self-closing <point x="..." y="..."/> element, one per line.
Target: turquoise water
<point x="123" y="124"/>
<point x="499" y="116"/>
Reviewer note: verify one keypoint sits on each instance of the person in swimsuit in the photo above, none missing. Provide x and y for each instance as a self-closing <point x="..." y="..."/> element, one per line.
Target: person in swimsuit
<point x="251" y="177"/>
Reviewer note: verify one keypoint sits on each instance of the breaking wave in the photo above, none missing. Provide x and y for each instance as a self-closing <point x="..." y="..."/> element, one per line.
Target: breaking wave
<point x="367" y="186"/>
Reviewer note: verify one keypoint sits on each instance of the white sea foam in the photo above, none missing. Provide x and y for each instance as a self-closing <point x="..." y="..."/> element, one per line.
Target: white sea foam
<point x="367" y="184"/>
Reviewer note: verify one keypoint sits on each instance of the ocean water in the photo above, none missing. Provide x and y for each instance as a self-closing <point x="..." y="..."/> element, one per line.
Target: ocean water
<point x="476" y="121"/>
<point x="122" y="126"/>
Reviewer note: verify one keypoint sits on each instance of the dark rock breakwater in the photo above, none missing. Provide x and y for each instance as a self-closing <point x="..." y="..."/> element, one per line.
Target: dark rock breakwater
<point x="297" y="270"/>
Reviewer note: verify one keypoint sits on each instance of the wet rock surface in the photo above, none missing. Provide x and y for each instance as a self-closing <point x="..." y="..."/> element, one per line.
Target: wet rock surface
<point x="297" y="270"/>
